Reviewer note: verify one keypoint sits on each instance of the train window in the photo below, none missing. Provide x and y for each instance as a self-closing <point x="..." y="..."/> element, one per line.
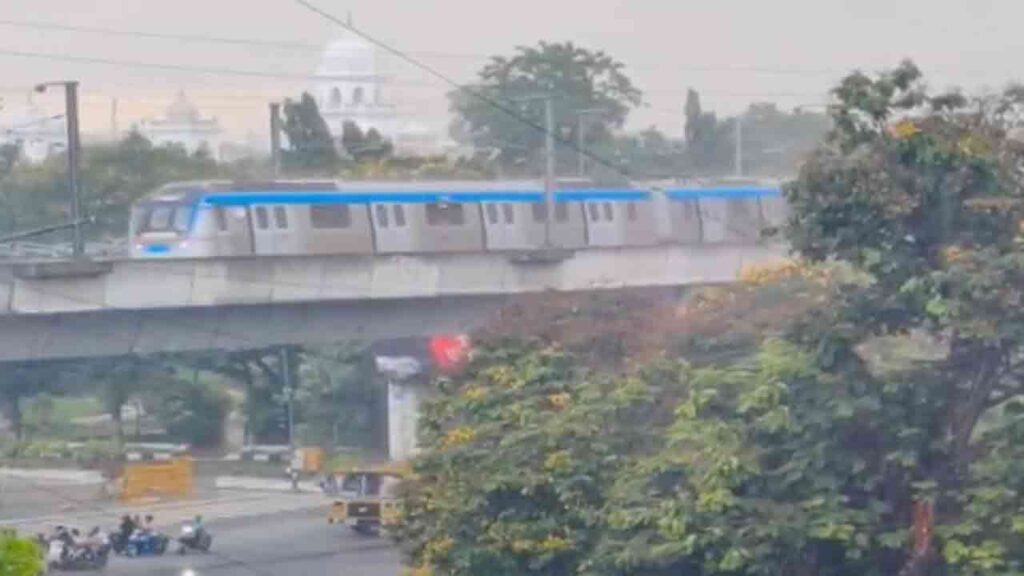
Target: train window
<point x="280" y="217"/>
<point x="595" y="215"/>
<point x="261" y="218"/>
<point x="631" y="210"/>
<point x="382" y="215"/>
<point x="508" y="213"/>
<point x="540" y="211"/>
<point x="492" y="213"/>
<point x="561" y="212"/>
<point x="399" y="215"/>
<point x="221" y="217"/>
<point x="330" y="216"/>
<point x="608" y="211"/>
<point x="445" y="215"/>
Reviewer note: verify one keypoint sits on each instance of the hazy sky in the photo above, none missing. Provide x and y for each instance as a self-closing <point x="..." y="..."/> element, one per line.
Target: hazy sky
<point x="733" y="51"/>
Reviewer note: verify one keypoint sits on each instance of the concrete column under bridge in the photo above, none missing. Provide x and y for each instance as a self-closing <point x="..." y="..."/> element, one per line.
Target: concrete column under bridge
<point x="407" y="367"/>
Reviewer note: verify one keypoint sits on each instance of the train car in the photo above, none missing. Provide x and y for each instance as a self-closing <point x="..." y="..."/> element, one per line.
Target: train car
<point x="224" y="219"/>
<point x="723" y="211"/>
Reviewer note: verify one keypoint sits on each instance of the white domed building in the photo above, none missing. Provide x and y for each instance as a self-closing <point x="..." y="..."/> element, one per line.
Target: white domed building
<point x="36" y="133"/>
<point x="349" y="86"/>
<point x="183" y="125"/>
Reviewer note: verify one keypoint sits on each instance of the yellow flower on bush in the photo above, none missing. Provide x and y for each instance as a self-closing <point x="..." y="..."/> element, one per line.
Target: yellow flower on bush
<point x="554" y="544"/>
<point x="458" y="436"/>
<point x="475" y="393"/>
<point x="418" y="571"/>
<point x="905" y="129"/>
<point x="522" y="546"/>
<point x="559" y="401"/>
<point x="437" y="549"/>
<point x="557" y="461"/>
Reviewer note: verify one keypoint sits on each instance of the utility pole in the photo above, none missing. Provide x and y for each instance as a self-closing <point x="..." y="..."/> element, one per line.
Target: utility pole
<point x="289" y="394"/>
<point x="71" y="103"/>
<point x="275" y="137"/>
<point x="549" y="168"/>
<point x="738" y="159"/>
<point x="581" y="159"/>
<point x="73" y="151"/>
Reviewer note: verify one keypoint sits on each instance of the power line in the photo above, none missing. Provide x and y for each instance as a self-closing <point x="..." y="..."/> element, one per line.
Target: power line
<point x="174" y="67"/>
<point x="309" y="47"/>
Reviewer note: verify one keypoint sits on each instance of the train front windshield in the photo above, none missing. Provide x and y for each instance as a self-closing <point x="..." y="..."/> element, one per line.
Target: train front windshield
<point x="162" y="217"/>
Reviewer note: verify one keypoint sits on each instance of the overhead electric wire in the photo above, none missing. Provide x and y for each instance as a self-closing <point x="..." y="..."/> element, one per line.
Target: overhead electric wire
<point x="309" y="47"/>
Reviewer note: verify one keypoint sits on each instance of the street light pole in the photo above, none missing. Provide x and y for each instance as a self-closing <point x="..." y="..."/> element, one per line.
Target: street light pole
<point x="73" y="152"/>
<point x="275" y="137"/>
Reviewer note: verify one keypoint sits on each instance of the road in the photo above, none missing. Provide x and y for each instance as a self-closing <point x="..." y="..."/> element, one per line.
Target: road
<point x="296" y="543"/>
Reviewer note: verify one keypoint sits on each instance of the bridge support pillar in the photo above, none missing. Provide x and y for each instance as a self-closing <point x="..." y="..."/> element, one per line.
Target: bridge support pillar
<point x="404" y="400"/>
<point x="408" y="385"/>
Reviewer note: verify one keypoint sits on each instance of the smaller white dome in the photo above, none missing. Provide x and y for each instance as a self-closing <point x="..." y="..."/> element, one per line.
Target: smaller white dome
<point x="348" y="57"/>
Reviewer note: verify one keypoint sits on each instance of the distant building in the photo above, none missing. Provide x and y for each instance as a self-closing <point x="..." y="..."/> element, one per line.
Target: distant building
<point x="182" y="124"/>
<point x="37" y="134"/>
<point x="349" y="87"/>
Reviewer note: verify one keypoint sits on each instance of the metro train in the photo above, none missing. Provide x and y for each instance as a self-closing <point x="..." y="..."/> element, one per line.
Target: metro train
<point x="226" y="219"/>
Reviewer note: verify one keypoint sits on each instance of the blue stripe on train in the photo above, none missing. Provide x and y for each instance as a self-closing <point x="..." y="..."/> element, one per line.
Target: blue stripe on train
<point x="726" y="193"/>
<point x="246" y="198"/>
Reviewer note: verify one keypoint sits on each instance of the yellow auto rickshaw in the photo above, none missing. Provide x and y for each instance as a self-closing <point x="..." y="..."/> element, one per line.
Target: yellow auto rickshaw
<point x="365" y="499"/>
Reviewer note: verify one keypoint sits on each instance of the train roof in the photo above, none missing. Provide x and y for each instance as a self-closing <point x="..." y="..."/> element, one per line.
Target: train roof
<point x="241" y="193"/>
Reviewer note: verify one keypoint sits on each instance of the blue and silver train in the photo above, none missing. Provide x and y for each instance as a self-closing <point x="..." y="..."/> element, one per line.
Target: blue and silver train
<point x="224" y="219"/>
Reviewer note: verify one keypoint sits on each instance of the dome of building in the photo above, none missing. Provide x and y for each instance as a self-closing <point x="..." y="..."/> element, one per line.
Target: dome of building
<point x="348" y="57"/>
<point x="182" y="110"/>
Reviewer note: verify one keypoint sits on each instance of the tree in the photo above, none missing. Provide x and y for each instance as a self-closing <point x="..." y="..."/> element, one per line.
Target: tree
<point x="517" y="455"/>
<point x="704" y="142"/>
<point x="352" y="138"/>
<point x="338" y="399"/>
<point x="19" y="557"/>
<point x="113" y="176"/>
<point x="311" y="148"/>
<point x="836" y="449"/>
<point x="370" y="146"/>
<point x="194" y="412"/>
<point x="118" y="379"/>
<point x="575" y="78"/>
<point x="21" y="380"/>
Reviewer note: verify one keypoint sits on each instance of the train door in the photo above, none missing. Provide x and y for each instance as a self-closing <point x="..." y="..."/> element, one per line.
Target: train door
<point x="394" y="227"/>
<point x="502" y="226"/>
<point x="264" y="231"/>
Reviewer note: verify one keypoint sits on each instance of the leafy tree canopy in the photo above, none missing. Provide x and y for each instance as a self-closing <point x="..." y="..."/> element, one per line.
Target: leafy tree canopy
<point x="823" y="442"/>
<point x="575" y="78"/>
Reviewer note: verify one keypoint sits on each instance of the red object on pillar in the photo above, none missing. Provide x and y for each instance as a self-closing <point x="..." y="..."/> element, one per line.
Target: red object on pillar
<point x="449" y="353"/>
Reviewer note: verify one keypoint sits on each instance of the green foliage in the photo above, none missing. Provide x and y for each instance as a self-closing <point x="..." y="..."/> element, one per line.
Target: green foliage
<point x="880" y="434"/>
<point x="194" y="412"/>
<point x="519" y="454"/>
<point x="19" y="557"/>
<point x="311" y="149"/>
<point x="112" y="176"/>
<point x="577" y="79"/>
<point x="339" y="403"/>
<point x="368" y="147"/>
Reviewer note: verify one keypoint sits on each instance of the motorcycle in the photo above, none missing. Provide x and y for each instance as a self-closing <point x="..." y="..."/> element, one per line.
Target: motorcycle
<point x="146" y="543"/>
<point x="64" y="553"/>
<point x="194" y="538"/>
